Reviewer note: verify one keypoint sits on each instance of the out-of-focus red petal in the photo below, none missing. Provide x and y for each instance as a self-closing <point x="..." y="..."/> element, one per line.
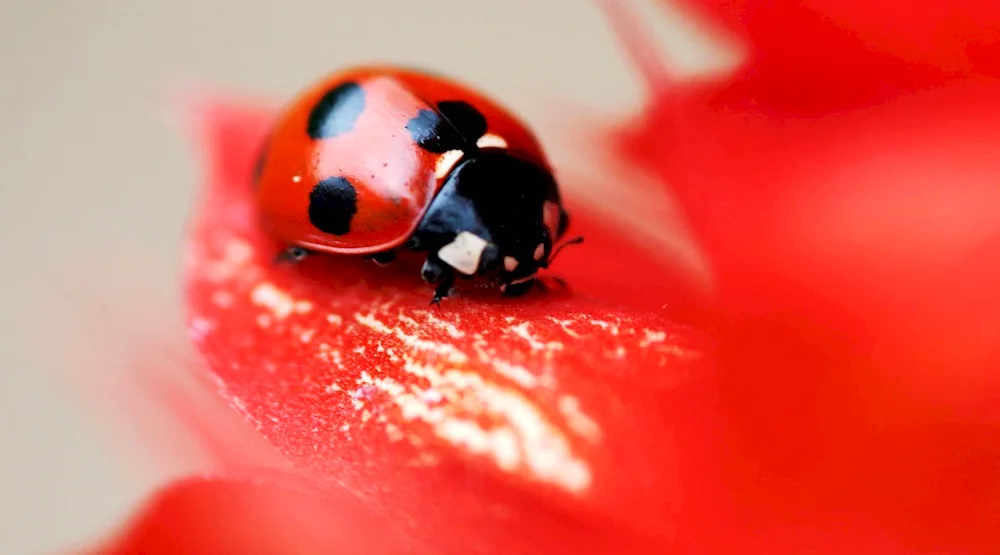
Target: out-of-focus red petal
<point x="556" y="423"/>
<point x="850" y="213"/>
<point x="806" y="57"/>
<point x="212" y="516"/>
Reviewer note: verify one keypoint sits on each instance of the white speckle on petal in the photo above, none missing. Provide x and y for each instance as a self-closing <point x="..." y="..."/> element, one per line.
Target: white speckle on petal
<point x="569" y="406"/>
<point x="517" y="374"/>
<point x="447" y="326"/>
<point x="279" y="302"/>
<point x="564" y="324"/>
<point x="521" y="330"/>
<point x="488" y="419"/>
<point x="606" y="326"/>
<point x="452" y="353"/>
<point x="236" y="254"/>
<point x="652" y="337"/>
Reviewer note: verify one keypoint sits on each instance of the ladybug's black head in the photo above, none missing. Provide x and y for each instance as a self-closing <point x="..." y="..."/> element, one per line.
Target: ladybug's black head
<point x="497" y="216"/>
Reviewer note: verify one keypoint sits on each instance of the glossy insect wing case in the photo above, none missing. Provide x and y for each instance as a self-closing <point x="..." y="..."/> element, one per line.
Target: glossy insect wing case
<point x="342" y="171"/>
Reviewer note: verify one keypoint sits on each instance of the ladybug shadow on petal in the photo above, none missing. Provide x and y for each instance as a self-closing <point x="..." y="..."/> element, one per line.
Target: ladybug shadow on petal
<point x="399" y="271"/>
<point x="382" y="270"/>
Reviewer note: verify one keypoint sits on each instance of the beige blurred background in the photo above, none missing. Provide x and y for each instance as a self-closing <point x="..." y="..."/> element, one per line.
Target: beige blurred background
<point x="97" y="186"/>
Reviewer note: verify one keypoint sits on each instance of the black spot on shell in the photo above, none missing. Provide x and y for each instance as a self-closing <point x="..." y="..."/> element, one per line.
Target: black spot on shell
<point x="432" y="132"/>
<point x="337" y="111"/>
<point x="470" y="122"/>
<point x="333" y="202"/>
<point x="455" y="125"/>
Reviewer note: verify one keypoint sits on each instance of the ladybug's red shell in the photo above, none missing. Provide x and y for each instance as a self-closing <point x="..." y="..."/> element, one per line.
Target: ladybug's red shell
<point x="343" y="170"/>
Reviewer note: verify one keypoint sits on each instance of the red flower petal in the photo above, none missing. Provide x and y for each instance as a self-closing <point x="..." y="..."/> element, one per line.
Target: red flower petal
<point x="807" y="57"/>
<point x="855" y="251"/>
<point x="551" y="420"/>
<point x="867" y="206"/>
<point x="264" y="515"/>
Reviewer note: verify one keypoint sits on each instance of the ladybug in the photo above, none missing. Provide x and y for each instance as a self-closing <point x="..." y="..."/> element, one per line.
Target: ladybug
<point x="374" y="159"/>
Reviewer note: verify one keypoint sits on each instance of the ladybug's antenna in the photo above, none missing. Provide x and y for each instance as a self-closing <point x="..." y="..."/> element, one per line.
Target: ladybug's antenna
<point x="574" y="241"/>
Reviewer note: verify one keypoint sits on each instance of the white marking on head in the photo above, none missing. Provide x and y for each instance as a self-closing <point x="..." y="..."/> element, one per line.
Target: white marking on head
<point x="509" y="263"/>
<point x="551" y="216"/>
<point x="490" y="140"/>
<point x="446" y="162"/>
<point x="464" y="253"/>
<point x="539" y="251"/>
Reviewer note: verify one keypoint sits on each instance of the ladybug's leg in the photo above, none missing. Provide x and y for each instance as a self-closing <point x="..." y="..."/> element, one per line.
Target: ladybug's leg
<point x="443" y="288"/>
<point x="433" y="272"/>
<point x="292" y="254"/>
<point x="383" y="258"/>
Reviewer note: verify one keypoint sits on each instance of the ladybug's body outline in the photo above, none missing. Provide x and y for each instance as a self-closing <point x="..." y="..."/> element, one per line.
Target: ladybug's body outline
<point x="377" y="158"/>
